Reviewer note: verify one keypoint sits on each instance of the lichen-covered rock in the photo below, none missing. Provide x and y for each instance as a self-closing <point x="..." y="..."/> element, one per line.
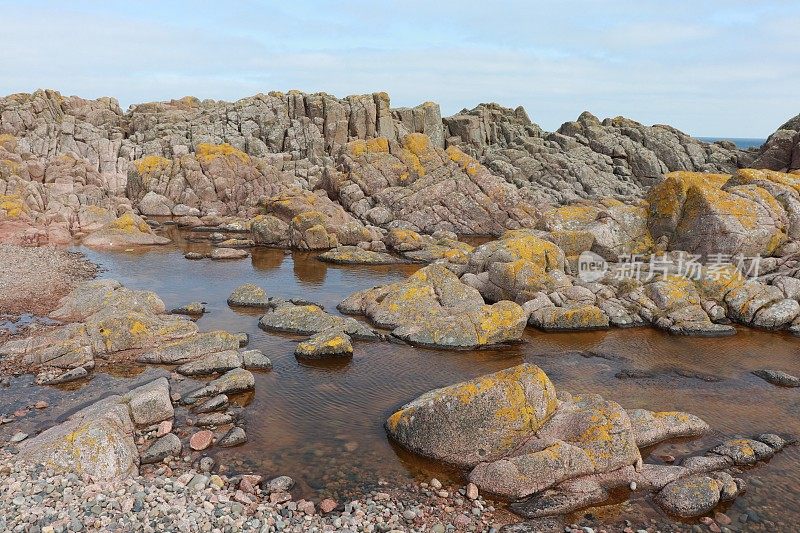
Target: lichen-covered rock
<point x="353" y="255"/>
<point x="191" y="309"/>
<point x="309" y="320"/>
<point x="269" y="230"/>
<point x="191" y="348"/>
<point x="651" y="428"/>
<point x="744" y="451"/>
<point x="328" y="343"/>
<point x="96" y="441"/>
<point x="249" y="295"/>
<point x="433" y="308"/>
<point x="710" y="215"/>
<point x="231" y="382"/>
<point x="478" y="420"/>
<point x="213" y="363"/>
<point x="690" y="497"/>
<point x="581" y="318"/>
<point x="221" y="254"/>
<point x="127" y="230"/>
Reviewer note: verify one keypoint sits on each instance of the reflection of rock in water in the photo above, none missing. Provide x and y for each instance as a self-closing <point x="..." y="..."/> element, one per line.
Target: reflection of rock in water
<point x="266" y="259"/>
<point x="307" y="269"/>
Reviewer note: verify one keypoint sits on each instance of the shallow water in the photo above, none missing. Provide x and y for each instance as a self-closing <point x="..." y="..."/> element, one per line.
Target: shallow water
<point x="321" y="423"/>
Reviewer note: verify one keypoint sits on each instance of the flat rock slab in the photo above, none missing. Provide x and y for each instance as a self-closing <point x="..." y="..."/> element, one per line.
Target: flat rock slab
<point x="353" y="255"/>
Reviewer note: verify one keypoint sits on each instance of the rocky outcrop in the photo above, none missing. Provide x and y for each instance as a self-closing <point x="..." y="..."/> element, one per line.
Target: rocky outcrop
<point x="557" y="453"/>
<point x="587" y="158"/>
<point x="417" y="185"/>
<point x="782" y="150"/>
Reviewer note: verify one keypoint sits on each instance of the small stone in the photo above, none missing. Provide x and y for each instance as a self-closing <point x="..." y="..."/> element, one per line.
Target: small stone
<point x="164" y="428"/>
<point x="279" y="484"/>
<point x="279" y="497"/>
<point x="18" y="437"/>
<point x="41" y="404"/>
<point x="472" y="491"/>
<point x="409" y="515"/>
<point x="722" y="518"/>
<point x="201" y="440"/>
<point x="234" y="437"/>
<point x="436" y="484"/>
<point x="327" y="505"/>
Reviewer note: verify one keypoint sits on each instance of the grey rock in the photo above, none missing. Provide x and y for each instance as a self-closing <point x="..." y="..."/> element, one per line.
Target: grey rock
<point x="167" y="446"/>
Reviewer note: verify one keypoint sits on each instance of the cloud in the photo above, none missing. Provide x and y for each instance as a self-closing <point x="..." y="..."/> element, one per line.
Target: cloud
<point x="717" y="68"/>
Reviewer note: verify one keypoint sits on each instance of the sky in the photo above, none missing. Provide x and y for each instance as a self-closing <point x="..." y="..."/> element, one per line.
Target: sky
<point x="710" y="68"/>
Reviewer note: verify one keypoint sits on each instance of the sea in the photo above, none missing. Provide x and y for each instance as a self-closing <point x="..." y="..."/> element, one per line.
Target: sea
<point x="740" y="142"/>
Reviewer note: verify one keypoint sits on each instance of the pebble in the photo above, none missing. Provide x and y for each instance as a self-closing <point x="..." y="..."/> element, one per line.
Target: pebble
<point x="18" y="437"/>
<point x="472" y="491"/>
<point x="201" y="440"/>
<point x="436" y="484"/>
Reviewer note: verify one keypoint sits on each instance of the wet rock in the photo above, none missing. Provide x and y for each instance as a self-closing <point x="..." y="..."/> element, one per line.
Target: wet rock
<point x="215" y="419"/>
<point x="127" y="230"/>
<point x="194" y="256"/>
<point x="776" y="442"/>
<point x="216" y="403"/>
<point x="478" y="420"/>
<point x="311" y="319"/>
<point x="150" y="403"/>
<point x="201" y="440"/>
<point x="233" y="381"/>
<point x="690" y="497"/>
<point x="213" y="363"/>
<point x="236" y="243"/>
<point x="234" y="437"/>
<point x="744" y="451"/>
<point x="653" y="427"/>
<point x="255" y="360"/>
<point x="228" y="253"/>
<point x="65" y="377"/>
<point x="353" y="255"/>
<point x="329" y="343"/>
<point x="167" y="446"/>
<point x="191" y="309"/>
<point x="278" y="484"/>
<point x="328" y="505"/>
<point x="778" y="377"/>
<point x="249" y="295"/>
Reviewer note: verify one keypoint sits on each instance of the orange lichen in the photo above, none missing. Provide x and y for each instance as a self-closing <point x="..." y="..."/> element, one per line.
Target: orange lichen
<point x="468" y="164"/>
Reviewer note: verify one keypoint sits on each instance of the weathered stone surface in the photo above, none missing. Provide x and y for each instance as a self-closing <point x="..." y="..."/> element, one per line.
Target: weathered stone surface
<point x="191" y="309"/>
<point x="231" y="382"/>
<point x="689" y="497"/>
<point x="167" y="446"/>
<point x="228" y="253"/>
<point x="433" y="308"/>
<point x="651" y="428"/>
<point x="213" y="363"/>
<point x="127" y="230"/>
<point x="327" y="343"/>
<point x="236" y="436"/>
<point x="309" y="320"/>
<point x="191" y="348"/>
<point x="778" y="377"/>
<point x="249" y="295"/>
<point x="744" y="451"/>
<point x="782" y="149"/>
<point x="582" y="318"/>
<point x="353" y="255"/>
<point x="150" y="403"/>
<point x="96" y="441"/>
<point x="255" y="360"/>
<point x="479" y="420"/>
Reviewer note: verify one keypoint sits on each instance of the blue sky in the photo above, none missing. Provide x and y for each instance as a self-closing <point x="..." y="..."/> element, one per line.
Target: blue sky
<point x="714" y="68"/>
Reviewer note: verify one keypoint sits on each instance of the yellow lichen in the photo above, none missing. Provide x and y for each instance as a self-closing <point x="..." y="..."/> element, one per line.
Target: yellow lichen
<point x="152" y="164"/>
<point x="206" y="153"/>
<point x="468" y="164"/>
<point x="12" y="204"/>
<point x="128" y="223"/>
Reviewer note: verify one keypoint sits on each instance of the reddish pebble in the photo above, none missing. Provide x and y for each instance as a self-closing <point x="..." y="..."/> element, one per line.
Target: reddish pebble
<point x="279" y="497"/>
<point x="164" y="428"/>
<point x="41" y="405"/>
<point x="707" y="520"/>
<point x="20" y="413"/>
<point x="201" y="440"/>
<point x="327" y="505"/>
<point x="668" y="458"/>
<point x="722" y="518"/>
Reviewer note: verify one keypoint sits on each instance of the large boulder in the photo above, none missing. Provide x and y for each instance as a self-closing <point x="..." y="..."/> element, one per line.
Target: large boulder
<point x="432" y="307"/>
<point x="479" y="420"/>
<point x="97" y="441"/>
<point x="127" y="230"/>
